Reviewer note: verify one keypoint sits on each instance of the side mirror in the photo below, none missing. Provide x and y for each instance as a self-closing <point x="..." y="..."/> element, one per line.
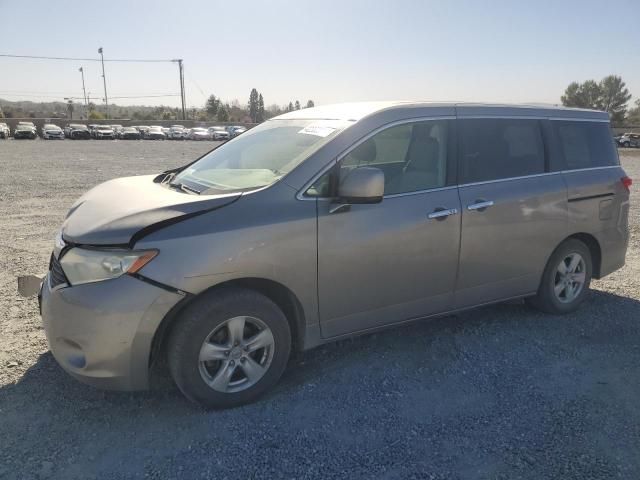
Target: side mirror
<point x="361" y="185"/>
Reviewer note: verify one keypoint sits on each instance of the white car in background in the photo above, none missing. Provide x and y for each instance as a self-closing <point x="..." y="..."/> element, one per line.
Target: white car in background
<point x="219" y="133"/>
<point x="51" y="131"/>
<point x="235" y="130"/>
<point x="176" y="133"/>
<point x="104" y="132"/>
<point x="199" y="134"/>
<point x="4" y="130"/>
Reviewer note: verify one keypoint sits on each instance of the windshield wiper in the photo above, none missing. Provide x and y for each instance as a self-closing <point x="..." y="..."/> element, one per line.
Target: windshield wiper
<point x="182" y="187"/>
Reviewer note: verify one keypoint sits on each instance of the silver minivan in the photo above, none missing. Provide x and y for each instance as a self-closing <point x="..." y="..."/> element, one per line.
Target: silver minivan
<point x="328" y="222"/>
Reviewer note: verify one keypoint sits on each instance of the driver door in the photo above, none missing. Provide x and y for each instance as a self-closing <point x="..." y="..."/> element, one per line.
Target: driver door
<point x="384" y="263"/>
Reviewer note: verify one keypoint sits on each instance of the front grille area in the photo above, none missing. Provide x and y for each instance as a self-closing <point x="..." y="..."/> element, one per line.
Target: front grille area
<point x="56" y="274"/>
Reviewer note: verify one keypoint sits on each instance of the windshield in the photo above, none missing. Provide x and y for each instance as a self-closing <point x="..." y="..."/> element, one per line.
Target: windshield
<point x="259" y="157"/>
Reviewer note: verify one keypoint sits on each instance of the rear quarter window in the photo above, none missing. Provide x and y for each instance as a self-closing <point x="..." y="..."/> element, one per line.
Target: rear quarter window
<point x="585" y="144"/>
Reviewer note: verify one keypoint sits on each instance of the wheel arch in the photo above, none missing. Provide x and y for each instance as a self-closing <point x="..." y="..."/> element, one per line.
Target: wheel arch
<point x="278" y="293"/>
<point x="594" y="248"/>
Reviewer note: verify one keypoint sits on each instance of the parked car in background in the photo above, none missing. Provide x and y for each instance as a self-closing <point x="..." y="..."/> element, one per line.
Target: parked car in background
<point x="176" y="132"/>
<point x="166" y="131"/>
<point x="50" y="131"/>
<point x="219" y="133"/>
<point x="143" y="129"/>
<point x="92" y="129"/>
<point x="25" y="130"/>
<point x="199" y="134"/>
<point x="129" y="133"/>
<point x="236" y="130"/>
<point x="221" y="270"/>
<point x="77" y="131"/>
<point x="155" y="133"/>
<point x="117" y="130"/>
<point x="4" y="130"/>
<point x="630" y="140"/>
<point x="104" y="132"/>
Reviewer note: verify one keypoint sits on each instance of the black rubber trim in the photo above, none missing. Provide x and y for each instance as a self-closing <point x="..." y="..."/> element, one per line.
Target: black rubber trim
<point x="160" y="285"/>
<point x="591" y="197"/>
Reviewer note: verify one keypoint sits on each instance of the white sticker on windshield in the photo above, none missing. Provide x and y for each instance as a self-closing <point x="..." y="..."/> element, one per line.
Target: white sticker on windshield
<point x="319" y="129"/>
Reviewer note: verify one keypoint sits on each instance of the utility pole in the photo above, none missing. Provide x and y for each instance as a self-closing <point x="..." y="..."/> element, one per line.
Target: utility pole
<point x="104" y="80"/>
<point x="84" y="91"/>
<point x="182" y="96"/>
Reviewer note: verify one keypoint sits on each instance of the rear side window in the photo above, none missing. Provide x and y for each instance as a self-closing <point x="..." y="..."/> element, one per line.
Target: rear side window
<point x="585" y="144"/>
<point x="500" y="148"/>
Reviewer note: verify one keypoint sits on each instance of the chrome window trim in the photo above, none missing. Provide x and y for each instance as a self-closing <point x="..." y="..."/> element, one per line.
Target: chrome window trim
<point x="418" y="192"/>
<point x="344" y="153"/>
<point x="574" y="119"/>
<point x="545" y="174"/>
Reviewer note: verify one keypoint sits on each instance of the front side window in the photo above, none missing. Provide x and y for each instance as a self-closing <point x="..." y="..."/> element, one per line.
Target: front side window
<point x="260" y="156"/>
<point x="413" y="156"/>
<point x="585" y="144"/>
<point x="493" y="149"/>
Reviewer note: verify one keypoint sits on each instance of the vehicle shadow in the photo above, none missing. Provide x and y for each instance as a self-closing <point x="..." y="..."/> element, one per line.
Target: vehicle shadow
<point x="416" y="371"/>
<point x="47" y="380"/>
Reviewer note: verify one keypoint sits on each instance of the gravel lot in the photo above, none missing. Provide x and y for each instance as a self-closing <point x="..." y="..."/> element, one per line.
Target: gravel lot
<point x="502" y="392"/>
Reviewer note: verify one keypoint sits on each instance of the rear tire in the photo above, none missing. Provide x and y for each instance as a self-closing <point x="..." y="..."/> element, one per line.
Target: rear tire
<point x="566" y="279"/>
<point x="228" y="347"/>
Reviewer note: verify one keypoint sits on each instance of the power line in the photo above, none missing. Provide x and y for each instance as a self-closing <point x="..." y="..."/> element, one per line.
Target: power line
<point x="70" y="95"/>
<point x="134" y="60"/>
<point x="152" y="96"/>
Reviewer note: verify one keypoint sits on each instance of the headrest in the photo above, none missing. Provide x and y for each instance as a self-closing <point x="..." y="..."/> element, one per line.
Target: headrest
<point x="365" y="152"/>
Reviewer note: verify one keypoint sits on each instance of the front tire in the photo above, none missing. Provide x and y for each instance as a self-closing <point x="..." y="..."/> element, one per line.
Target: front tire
<point x="566" y="279"/>
<point x="228" y="347"/>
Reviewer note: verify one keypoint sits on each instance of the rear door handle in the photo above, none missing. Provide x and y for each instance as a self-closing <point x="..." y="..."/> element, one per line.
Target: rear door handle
<point x="480" y="205"/>
<point x="442" y="213"/>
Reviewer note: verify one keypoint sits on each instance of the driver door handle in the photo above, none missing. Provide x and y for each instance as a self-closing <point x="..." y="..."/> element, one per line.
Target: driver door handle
<point x="442" y="213"/>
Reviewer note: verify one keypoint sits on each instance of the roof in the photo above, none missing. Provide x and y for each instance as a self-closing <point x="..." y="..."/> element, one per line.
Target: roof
<point x="358" y="110"/>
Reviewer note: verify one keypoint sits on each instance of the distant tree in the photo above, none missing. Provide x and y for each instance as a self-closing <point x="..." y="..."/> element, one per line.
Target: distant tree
<point x="610" y="95"/>
<point x="96" y="115"/>
<point x="223" y="113"/>
<point x="614" y="98"/>
<point x="212" y="106"/>
<point x="92" y="107"/>
<point x="260" y="114"/>
<point x="253" y="105"/>
<point x="290" y="107"/>
<point x="582" y="95"/>
<point x="633" y="117"/>
<point x="310" y="104"/>
<point x="297" y="105"/>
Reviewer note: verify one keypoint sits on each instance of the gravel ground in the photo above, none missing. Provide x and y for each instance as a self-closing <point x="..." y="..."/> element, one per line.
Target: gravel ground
<point x="501" y="392"/>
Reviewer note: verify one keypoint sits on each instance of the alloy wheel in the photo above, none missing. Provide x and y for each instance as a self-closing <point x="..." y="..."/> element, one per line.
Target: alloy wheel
<point x="570" y="278"/>
<point x="236" y="354"/>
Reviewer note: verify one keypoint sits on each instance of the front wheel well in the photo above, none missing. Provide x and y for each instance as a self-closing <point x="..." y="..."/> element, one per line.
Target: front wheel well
<point x="282" y="296"/>
<point x="594" y="248"/>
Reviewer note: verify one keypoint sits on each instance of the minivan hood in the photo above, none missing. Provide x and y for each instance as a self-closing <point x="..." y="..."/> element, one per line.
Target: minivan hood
<point x="114" y="212"/>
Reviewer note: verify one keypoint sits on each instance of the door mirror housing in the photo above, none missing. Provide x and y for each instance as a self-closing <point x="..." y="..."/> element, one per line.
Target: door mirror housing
<point x="361" y="185"/>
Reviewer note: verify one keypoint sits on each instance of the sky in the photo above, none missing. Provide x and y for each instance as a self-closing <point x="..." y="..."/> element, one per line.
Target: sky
<point x="327" y="50"/>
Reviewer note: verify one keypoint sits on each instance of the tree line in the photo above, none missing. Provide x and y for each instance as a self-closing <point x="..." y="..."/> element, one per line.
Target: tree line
<point x="255" y="111"/>
<point x="609" y="94"/>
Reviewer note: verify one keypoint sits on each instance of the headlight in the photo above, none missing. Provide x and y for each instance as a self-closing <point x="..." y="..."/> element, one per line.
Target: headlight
<point x="82" y="265"/>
